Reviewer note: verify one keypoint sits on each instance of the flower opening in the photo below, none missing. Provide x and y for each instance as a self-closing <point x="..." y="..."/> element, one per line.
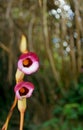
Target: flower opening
<point x="24" y="89"/>
<point x="27" y="62"/>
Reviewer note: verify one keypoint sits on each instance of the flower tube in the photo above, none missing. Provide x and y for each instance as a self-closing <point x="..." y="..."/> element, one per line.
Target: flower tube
<point x="28" y="63"/>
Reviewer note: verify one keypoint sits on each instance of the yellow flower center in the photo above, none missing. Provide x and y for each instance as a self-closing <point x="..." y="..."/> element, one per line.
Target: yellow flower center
<point x="27" y="62"/>
<point x="22" y="90"/>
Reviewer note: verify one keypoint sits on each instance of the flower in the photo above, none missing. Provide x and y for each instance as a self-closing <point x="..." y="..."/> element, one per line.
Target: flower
<point x="28" y="63"/>
<point x="24" y="89"/>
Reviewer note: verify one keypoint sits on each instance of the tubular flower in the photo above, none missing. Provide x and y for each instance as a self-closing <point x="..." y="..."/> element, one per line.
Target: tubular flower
<point x="24" y="90"/>
<point x="28" y="63"/>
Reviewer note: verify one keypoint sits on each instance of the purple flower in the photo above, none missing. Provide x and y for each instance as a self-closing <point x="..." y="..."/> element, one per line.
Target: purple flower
<point x="24" y="89"/>
<point x="28" y="63"/>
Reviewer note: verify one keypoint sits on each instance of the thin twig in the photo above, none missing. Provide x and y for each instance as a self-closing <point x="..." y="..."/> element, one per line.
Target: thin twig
<point x="49" y="52"/>
<point x="9" y="8"/>
<point x="30" y="29"/>
<point x="5" y="126"/>
<point x="4" y="47"/>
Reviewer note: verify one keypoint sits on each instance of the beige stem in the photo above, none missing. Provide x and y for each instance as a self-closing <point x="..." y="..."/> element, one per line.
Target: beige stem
<point x="22" y="108"/>
<point x="21" y="120"/>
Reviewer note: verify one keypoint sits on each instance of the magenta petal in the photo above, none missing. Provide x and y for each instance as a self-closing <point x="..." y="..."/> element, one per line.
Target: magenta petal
<point x="33" y="67"/>
<point x="29" y="54"/>
<point x="27" y="85"/>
